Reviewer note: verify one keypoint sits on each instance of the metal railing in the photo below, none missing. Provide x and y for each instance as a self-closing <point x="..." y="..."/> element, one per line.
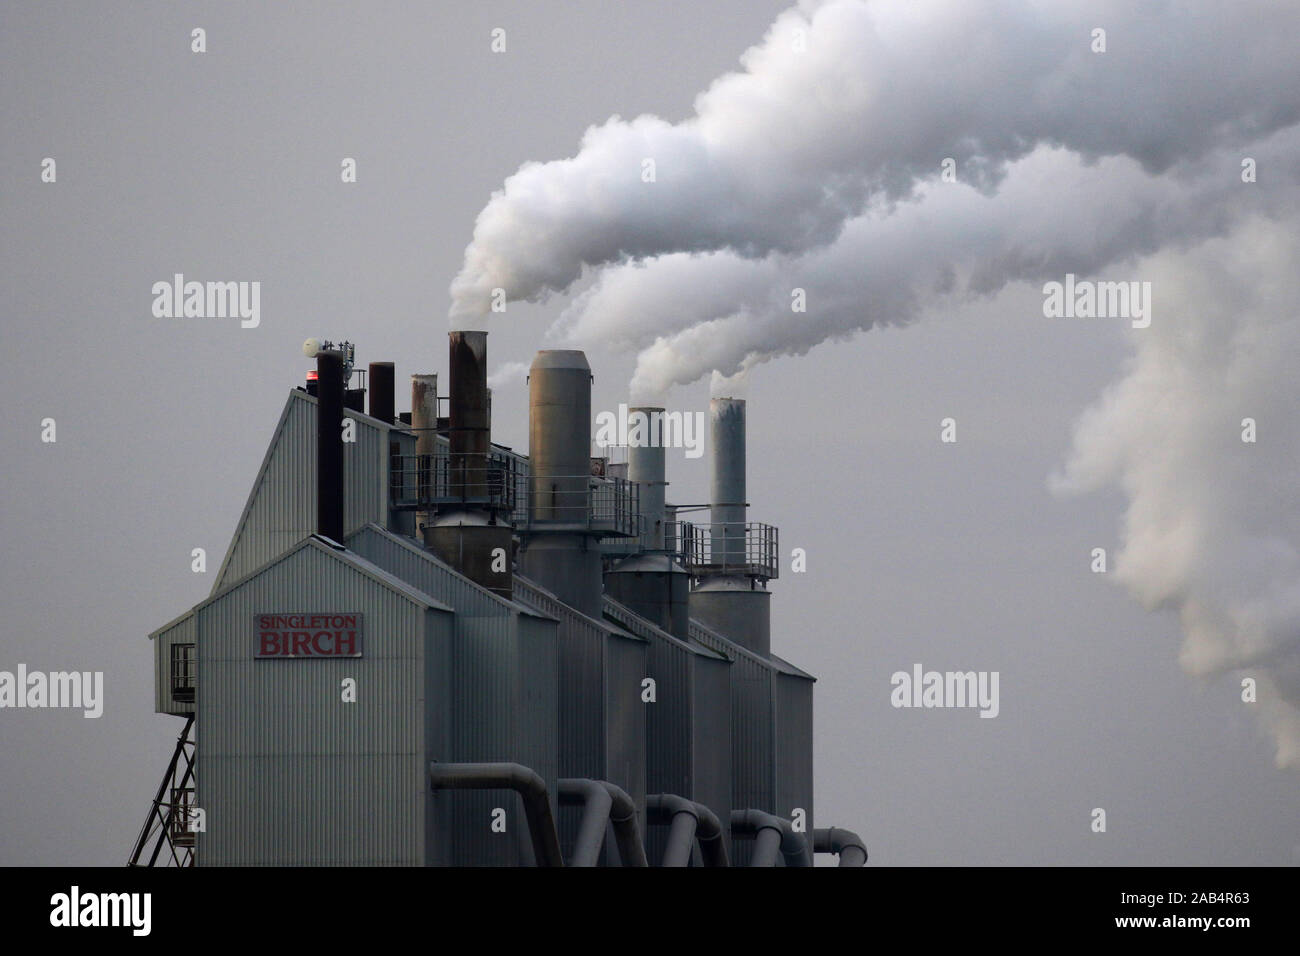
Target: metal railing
<point x="606" y="506"/>
<point x="424" y="482"/>
<point x="751" y="549"/>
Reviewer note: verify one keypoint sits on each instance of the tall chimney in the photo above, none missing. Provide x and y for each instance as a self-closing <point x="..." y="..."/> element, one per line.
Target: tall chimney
<point x="329" y="445"/>
<point x="652" y="583"/>
<point x="645" y="466"/>
<point x="382" y="398"/>
<point x="731" y="596"/>
<point x="559" y="550"/>
<point x="424" y="422"/>
<point x="470" y="529"/>
<point x="470" y="426"/>
<point x="727" y="481"/>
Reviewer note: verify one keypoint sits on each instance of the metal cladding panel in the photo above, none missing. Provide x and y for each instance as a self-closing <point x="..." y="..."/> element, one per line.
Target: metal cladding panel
<point x="712" y="735"/>
<point x="688" y="727"/>
<point x="602" y="718"/>
<point x="753" y="747"/>
<point x="794" y="747"/>
<point x="281" y="508"/>
<point x="180" y="631"/>
<point x="504" y="669"/>
<point x="287" y="772"/>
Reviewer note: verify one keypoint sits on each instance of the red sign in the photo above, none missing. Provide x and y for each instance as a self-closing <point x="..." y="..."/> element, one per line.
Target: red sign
<point x="306" y="635"/>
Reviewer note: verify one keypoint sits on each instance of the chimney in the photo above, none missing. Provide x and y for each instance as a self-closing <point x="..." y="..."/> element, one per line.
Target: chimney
<point x="329" y="445"/>
<point x="645" y="466"/>
<point x="652" y="583"/>
<point x="731" y="596"/>
<point x="470" y="529"/>
<point x="727" y="481"/>
<point x="382" y="398"/>
<point x="559" y="551"/>
<point x="470" y="424"/>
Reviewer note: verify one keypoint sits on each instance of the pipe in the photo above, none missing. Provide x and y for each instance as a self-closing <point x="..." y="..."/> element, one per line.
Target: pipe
<point x="508" y="776"/>
<point x="683" y="820"/>
<point x="772" y="834"/>
<point x="631" y="852"/>
<point x="382" y="400"/>
<point x="846" y="844"/>
<point x="597" y="803"/>
<point x="705" y="829"/>
<point x="329" y="444"/>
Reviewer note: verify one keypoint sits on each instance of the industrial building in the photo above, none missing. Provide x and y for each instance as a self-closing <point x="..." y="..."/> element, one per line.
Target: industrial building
<point x="423" y="648"/>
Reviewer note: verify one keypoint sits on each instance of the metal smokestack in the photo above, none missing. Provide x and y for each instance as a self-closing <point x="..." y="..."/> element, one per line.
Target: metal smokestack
<point x="329" y="445"/>
<point x="383" y="402"/>
<point x="424" y="422"/>
<point x="470" y="425"/>
<point x="727" y="484"/>
<point x="652" y="583"/>
<point x="731" y="596"/>
<point x="470" y="530"/>
<point x="559" y="551"/>
<point x="645" y="466"/>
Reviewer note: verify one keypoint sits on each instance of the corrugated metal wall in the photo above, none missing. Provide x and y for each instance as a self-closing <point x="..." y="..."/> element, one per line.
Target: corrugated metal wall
<point x="688" y="727"/>
<point x="771" y="733"/>
<point x="504" y="669"/>
<point x="794" y="750"/>
<point x="180" y="631"/>
<point x="287" y="772"/>
<point x="281" y="508"/>
<point x="602" y="718"/>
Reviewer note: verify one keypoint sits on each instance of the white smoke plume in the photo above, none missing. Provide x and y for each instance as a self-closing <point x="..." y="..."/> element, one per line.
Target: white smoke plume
<point x="1212" y="529"/>
<point x="815" y="170"/>
<point x="848" y="101"/>
<point x="507" y="373"/>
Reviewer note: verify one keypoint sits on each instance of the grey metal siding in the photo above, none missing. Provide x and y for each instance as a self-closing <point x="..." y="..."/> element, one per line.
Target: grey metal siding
<point x="712" y="730"/>
<point x="688" y="727"/>
<point x="281" y="508"/>
<point x="503" y="668"/>
<point x="794" y="747"/>
<point x="287" y="772"/>
<point x="602" y="719"/>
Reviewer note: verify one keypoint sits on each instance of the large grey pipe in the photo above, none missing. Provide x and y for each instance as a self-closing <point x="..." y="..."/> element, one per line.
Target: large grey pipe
<point x="727" y="481"/>
<point x="597" y="803"/>
<point x="689" y="821"/>
<point x="772" y="835"/>
<point x="508" y="776"/>
<point x="631" y="851"/>
<point x="845" y="844"/>
<point x="645" y="466"/>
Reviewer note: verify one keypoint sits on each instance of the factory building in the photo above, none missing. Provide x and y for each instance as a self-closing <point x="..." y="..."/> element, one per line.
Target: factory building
<point x="425" y="649"/>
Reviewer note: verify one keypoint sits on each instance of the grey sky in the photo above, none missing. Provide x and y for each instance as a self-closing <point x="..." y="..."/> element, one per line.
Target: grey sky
<point x="225" y="166"/>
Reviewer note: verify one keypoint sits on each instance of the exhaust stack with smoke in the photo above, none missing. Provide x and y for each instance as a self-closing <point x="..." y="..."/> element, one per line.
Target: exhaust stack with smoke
<point x="470" y="529"/>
